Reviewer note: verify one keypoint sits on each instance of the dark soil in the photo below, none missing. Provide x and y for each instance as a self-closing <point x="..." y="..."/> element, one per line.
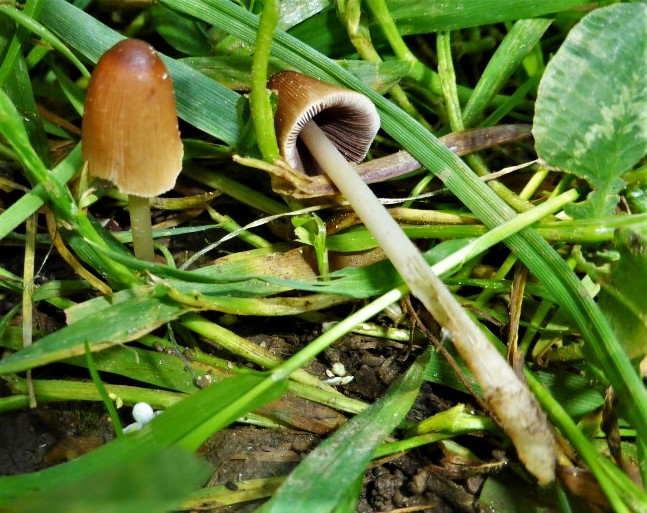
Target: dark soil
<point x="427" y="479"/>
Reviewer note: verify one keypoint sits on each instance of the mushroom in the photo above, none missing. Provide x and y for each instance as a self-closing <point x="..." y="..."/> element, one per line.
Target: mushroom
<point x="290" y="182"/>
<point x="346" y="120"/>
<point x="350" y="121"/>
<point x="130" y="131"/>
<point x="320" y="127"/>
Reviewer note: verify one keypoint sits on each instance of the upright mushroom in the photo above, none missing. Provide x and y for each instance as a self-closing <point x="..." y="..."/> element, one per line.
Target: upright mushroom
<point x="130" y="131"/>
<point x="348" y="123"/>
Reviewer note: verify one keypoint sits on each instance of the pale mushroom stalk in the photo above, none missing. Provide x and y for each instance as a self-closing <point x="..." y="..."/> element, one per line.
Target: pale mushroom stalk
<point x="393" y="241"/>
<point x="512" y="403"/>
<point x="141" y="227"/>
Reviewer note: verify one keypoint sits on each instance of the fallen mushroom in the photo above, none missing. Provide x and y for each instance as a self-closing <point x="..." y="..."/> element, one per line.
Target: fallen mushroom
<point x="296" y="184"/>
<point x="130" y="131"/>
<point x="320" y="127"/>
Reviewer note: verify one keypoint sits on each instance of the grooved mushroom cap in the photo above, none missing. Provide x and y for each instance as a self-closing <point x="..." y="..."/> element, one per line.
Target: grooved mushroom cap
<point x="349" y="119"/>
<point x="130" y="130"/>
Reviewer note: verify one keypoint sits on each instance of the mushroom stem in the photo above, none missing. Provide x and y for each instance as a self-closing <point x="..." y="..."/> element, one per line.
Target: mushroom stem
<point x="141" y="227"/>
<point x="393" y="241"/>
<point x="511" y="401"/>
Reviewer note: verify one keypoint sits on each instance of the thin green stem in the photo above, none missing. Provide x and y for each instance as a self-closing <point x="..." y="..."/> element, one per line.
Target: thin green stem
<point x="53" y="390"/>
<point x="534" y="183"/>
<point x="424" y="76"/>
<point x="384" y="19"/>
<point x="504" y="231"/>
<point x="450" y="94"/>
<point x="107" y="401"/>
<point x="259" y="97"/>
<point x="448" y="81"/>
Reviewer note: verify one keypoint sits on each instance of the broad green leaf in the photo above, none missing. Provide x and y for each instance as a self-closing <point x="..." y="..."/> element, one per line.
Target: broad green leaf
<point x="322" y="481"/>
<point x="622" y="297"/>
<point x="181" y="33"/>
<point x="153" y="482"/>
<point x="591" y="111"/>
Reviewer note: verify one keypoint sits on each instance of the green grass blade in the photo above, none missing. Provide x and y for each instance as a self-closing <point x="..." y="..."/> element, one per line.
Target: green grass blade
<point x="516" y="45"/>
<point x="19" y="211"/>
<point x="36" y="28"/>
<point x="326" y="34"/>
<point x="334" y="466"/>
<point x="439" y="15"/>
<point x="125" y="321"/>
<point x="155" y="482"/>
<point x="108" y="403"/>
<point x="201" y="102"/>
<point x="259" y="97"/>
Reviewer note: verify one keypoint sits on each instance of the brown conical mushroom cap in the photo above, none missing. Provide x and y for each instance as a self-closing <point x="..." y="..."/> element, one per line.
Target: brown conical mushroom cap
<point x="130" y="128"/>
<point x="348" y="118"/>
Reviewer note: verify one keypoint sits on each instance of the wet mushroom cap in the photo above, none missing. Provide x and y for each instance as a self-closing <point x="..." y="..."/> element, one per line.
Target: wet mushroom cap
<point x="130" y="130"/>
<point x="349" y="119"/>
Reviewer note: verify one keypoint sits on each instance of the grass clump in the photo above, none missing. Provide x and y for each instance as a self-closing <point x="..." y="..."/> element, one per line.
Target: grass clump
<point x="547" y="262"/>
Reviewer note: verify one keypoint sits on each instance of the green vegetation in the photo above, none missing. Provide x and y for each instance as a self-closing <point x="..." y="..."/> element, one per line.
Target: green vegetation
<point x="549" y="260"/>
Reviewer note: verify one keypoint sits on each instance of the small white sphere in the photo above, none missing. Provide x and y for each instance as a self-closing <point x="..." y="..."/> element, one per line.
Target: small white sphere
<point x="339" y="369"/>
<point x="143" y="413"/>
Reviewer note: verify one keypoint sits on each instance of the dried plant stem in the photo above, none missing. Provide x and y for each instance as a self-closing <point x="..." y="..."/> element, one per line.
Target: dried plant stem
<point x="27" y="296"/>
